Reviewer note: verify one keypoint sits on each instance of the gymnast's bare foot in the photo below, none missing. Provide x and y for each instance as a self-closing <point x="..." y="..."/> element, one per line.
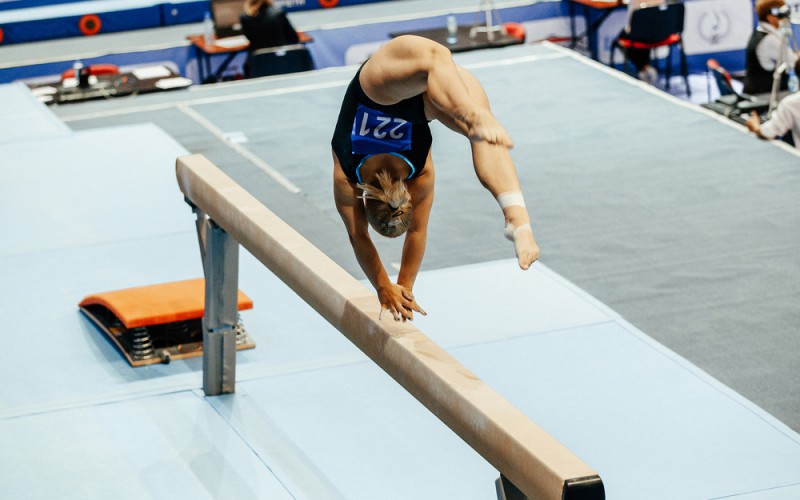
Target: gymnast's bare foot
<point x="518" y="229"/>
<point x="483" y="126"/>
<point x="525" y="246"/>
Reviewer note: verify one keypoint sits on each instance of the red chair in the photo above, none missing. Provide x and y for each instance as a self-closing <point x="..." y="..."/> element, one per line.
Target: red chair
<point x="94" y="69"/>
<point x="721" y="76"/>
<point x="654" y="27"/>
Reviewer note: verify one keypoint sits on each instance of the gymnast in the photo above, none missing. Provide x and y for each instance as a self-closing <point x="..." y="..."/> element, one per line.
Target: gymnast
<point x="383" y="174"/>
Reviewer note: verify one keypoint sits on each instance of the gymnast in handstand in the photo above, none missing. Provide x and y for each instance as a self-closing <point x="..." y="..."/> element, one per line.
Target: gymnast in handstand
<point x="383" y="173"/>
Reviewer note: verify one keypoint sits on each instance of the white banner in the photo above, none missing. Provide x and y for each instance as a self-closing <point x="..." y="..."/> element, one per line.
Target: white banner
<point x="717" y="25"/>
<point x="606" y="34"/>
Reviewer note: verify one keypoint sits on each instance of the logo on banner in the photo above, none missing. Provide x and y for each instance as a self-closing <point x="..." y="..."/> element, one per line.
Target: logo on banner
<point x="714" y="26"/>
<point x="327" y="4"/>
<point x="374" y="132"/>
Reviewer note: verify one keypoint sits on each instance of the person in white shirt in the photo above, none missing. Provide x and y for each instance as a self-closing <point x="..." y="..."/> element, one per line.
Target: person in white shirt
<point x="785" y="118"/>
<point x="763" y="50"/>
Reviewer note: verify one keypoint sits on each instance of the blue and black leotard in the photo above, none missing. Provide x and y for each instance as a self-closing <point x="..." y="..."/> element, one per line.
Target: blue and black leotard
<point x="366" y="128"/>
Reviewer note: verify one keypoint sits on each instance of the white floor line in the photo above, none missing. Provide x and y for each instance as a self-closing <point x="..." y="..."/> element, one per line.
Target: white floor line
<point x="294" y="89"/>
<point x="208" y="100"/>
<point x="274" y="174"/>
<point x="514" y="60"/>
<point x="663" y="94"/>
<point x="479" y="10"/>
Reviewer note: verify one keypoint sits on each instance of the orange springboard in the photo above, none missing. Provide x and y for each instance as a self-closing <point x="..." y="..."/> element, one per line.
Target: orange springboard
<point x="157" y="304"/>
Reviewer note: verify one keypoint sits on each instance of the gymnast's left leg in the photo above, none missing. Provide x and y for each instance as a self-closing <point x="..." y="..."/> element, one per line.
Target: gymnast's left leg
<point x="496" y="171"/>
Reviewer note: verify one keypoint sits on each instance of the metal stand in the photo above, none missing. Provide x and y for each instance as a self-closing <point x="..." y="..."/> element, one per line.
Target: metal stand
<point x="584" y="488"/>
<point x="780" y="65"/>
<point x="487" y="6"/>
<point x="506" y="490"/>
<point x="220" y="254"/>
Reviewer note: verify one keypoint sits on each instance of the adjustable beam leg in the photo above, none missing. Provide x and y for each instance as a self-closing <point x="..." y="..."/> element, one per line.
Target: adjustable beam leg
<point x="220" y="254"/>
<point x="506" y="490"/>
<point x="581" y="488"/>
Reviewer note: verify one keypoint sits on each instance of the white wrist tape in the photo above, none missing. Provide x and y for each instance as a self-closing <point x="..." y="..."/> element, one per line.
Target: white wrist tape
<point x="511" y="199"/>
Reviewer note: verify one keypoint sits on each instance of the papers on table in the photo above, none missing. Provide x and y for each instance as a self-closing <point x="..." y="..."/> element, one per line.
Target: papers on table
<point x="151" y="72"/>
<point x="231" y="41"/>
<point x="173" y="83"/>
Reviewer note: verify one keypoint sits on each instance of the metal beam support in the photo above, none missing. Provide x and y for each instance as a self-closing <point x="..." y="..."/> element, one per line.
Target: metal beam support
<point x="220" y="255"/>
<point x="506" y="490"/>
<point x="537" y="464"/>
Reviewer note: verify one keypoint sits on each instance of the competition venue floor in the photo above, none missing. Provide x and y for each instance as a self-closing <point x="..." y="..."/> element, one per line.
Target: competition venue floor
<point x="657" y="338"/>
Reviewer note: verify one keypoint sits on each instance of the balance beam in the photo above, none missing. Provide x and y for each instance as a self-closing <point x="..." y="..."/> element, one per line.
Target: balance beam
<point x="532" y="460"/>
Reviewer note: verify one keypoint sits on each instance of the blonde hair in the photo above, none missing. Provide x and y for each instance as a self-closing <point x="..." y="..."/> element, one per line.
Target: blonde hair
<point x="251" y="7"/>
<point x="389" y="207"/>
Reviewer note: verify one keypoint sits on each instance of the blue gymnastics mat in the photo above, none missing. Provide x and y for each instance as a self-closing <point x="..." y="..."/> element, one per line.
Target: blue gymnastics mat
<point x="25" y="118"/>
<point x="312" y="416"/>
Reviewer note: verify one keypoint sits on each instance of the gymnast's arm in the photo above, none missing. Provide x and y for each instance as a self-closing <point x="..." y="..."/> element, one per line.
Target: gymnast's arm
<point x="409" y="65"/>
<point x="391" y="296"/>
<point x="421" y="190"/>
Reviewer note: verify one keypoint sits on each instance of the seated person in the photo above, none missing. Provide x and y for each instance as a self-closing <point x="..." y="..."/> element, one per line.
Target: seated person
<point x="640" y="58"/>
<point x="265" y="26"/>
<point x="763" y="49"/>
<point x="785" y="118"/>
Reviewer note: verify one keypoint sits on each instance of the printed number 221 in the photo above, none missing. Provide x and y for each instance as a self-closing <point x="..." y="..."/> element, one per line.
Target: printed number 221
<point x="383" y="122"/>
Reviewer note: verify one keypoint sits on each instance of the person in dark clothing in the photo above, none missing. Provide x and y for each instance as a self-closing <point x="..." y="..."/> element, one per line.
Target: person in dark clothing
<point x="640" y="58"/>
<point x="266" y="26"/>
<point x="763" y="50"/>
<point x="383" y="171"/>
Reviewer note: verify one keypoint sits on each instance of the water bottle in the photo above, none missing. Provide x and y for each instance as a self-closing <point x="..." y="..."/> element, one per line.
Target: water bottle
<point x="81" y="74"/>
<point x="208" y="30"/>
<point x="77" y="67"/>
<point x="452" y="29"/>
<point x="794" y="84"/>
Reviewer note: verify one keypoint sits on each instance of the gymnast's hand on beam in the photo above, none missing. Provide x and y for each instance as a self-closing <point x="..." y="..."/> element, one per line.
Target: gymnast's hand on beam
<point x="400" y="303"/>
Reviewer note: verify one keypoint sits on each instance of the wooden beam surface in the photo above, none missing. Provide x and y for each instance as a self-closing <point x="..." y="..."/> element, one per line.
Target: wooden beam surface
<point x="523" y="452"/>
